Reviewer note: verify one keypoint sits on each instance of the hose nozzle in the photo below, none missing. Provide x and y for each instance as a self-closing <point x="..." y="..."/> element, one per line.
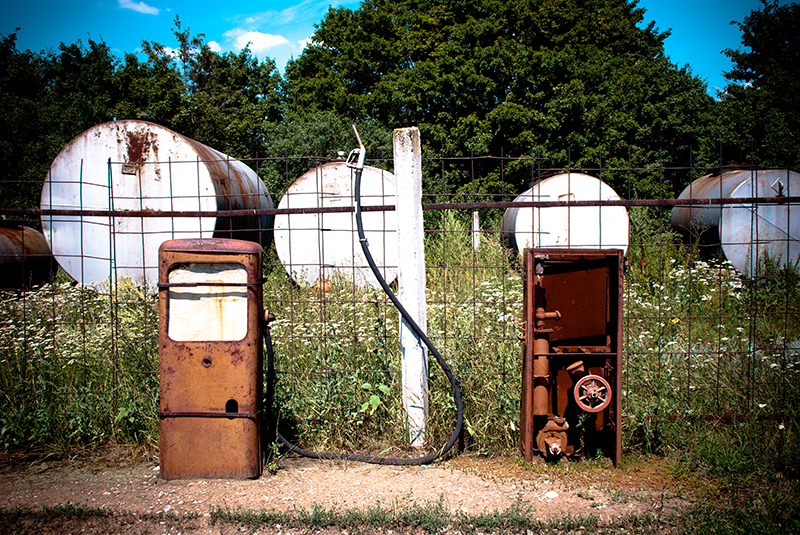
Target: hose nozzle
<point x="355" y="160"/>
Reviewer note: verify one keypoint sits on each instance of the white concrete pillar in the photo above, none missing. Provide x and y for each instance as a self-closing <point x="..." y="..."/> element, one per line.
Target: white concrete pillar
<point x="411" y="278"/>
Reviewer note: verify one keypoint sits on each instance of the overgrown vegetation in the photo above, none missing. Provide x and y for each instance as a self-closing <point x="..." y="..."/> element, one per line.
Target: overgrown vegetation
<point x="78" y="366"/>
<point x="769" y="514"/>
<point x="432" y="517"/>
<point x="338" y="354"/>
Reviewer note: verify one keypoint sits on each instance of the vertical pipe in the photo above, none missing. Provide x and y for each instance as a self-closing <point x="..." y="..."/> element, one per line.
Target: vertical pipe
<point x="541" y="376"/>
<point x="476" y="230"/>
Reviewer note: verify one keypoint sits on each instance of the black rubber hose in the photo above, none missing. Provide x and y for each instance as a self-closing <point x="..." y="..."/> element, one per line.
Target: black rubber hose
<point x="422" y="336"/>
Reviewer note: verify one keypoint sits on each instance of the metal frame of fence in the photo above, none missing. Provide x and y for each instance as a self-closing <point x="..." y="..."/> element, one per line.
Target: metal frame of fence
<point x="701" y="339"/>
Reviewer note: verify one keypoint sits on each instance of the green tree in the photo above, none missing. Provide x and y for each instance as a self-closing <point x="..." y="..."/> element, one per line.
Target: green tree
<point x="48" y="98"/>
<point x="299" y="143"/>
<point x="577" y="82"/>
<point x="231" y="100"/>
<point x="222" y="100"/>
<point x="21" y="85"/>
<point x="760" y="107"/>
<point x="152" y="88"/>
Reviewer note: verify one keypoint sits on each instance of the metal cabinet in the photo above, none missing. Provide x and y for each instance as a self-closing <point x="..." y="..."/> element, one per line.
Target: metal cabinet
<point x="211" y="360"/>
<point x="571" y="370"/>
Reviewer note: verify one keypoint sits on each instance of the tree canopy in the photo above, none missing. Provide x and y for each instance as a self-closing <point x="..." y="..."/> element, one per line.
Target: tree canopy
<point x="223" y="100"/>
<point x="578" y="83"/>
<point x="567" y="77"/>
<point x="760" y="107"/>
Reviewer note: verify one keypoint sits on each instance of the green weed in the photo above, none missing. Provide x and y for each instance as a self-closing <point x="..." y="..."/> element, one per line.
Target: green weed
<point x="431" y="517"/>
<point x="78" y="367"/>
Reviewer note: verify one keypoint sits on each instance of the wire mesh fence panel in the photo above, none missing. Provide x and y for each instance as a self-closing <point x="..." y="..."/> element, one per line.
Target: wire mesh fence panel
<point x="701" y="337"/>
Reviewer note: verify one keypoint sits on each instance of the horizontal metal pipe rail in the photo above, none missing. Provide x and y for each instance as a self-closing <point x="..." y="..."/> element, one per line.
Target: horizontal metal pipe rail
<point x="32" y="212"/>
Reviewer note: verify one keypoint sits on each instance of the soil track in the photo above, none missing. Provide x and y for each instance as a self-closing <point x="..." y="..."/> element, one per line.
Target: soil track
<point x="130" y="484"/>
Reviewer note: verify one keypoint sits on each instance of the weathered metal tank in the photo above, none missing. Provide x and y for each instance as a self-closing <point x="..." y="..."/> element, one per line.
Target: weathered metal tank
<point x="134" y="165"/>
<point x="25" y="258"/>
<point x="747" y="233"/>
<point x="321" y="247"/>
<point x="569" y="227"/>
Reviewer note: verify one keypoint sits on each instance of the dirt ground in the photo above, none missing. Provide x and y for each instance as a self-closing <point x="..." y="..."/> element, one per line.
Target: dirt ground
<point x="130" y="484"/>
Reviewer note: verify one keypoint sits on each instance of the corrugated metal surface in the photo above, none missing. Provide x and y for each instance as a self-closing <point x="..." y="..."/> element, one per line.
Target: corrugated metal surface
<point x="137" y="165"/>
<point x="324" y="246"/>
<point x="572" y="227"/>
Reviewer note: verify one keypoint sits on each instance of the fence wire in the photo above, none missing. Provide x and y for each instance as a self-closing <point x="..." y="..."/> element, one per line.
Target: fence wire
<point x="701" y="338"/>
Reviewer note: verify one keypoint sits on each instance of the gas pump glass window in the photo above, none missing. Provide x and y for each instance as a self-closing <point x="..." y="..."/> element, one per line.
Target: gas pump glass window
<point x="207" y="312"/>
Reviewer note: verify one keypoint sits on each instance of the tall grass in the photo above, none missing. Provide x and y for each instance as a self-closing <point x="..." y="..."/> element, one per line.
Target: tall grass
<point x="78" y="367"/>
<point x="338" y="355"/>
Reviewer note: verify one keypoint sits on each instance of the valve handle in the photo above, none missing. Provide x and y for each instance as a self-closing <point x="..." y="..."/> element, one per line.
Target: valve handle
<point x="592" y="393"/>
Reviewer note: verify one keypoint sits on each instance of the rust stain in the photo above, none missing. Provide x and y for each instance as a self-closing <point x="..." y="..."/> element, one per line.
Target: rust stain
<point x="235" y="190"/>
<point x="138" y="145"/>
<point x="573" y="353"/>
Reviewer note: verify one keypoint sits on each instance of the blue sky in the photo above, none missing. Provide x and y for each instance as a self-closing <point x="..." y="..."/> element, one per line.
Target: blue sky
<point x="278" y="29"/>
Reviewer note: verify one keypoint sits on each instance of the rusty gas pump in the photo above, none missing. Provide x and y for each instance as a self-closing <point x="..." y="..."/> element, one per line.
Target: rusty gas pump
<point x="572" y="308"/>
<point x="210" y="351"/>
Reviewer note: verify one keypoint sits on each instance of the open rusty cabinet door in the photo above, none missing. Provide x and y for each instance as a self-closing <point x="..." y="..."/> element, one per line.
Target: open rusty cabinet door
<point x="571" y="371"/>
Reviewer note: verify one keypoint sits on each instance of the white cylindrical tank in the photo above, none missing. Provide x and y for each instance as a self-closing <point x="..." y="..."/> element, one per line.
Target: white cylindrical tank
<point x="573" y="227"/>
<point x="319" y="247"/>
<point x="747" y="233"/>
<point x="141" y="166"/>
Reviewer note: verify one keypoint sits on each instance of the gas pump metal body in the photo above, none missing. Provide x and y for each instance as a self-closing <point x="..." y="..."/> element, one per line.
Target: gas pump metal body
<point x="211" y="360"/>
<point x="572" y="353"/>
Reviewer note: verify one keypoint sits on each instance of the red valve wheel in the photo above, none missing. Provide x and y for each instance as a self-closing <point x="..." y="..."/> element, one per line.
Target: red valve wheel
<point x="592" y="393"/>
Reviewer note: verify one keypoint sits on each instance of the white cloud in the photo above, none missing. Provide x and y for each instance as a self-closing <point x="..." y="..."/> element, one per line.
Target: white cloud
<point x="301" y="12"/>
<point x="214" y="46"/>
<point x="258" y="41"/>
<point x="174" y="52"/>
<point x="139" y="7"/>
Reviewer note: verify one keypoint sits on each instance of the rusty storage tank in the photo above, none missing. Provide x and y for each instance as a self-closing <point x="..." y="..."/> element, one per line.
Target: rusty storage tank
<point x="134" y="165"/>
<point x="315" y="247"/>
<point x="569" y="227"/>
<point x="25" y="258"/>
<point x="747" y="233"/>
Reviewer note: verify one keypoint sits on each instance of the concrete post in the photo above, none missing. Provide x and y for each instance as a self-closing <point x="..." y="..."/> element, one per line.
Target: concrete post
<point x="411" y="278"/>
<point x="476" y="231"/>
